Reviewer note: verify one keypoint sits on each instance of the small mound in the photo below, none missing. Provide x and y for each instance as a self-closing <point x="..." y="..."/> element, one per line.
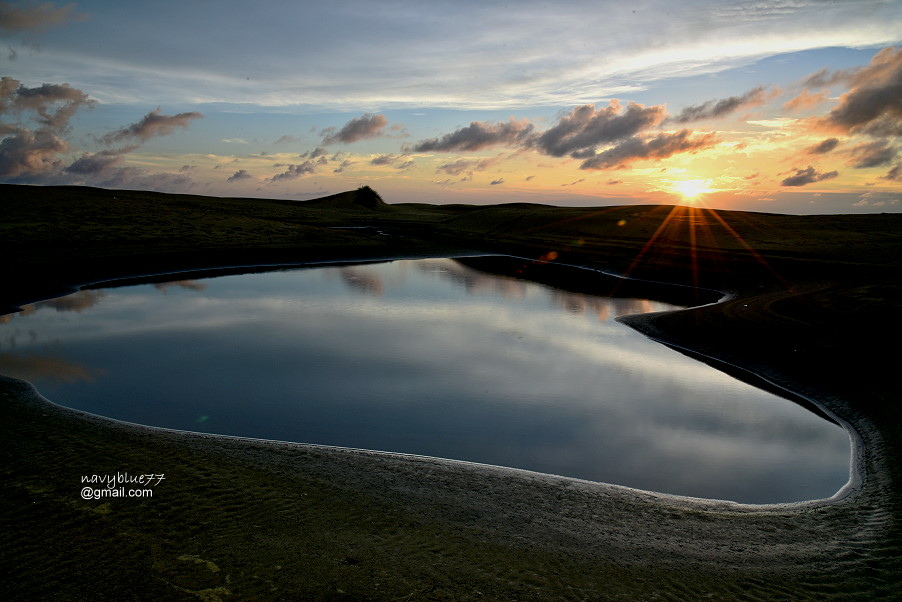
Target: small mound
<point x="362" y="198"/>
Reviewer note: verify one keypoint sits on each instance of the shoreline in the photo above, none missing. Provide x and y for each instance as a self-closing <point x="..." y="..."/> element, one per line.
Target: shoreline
<point x="245" y="519"/>
<point x="633" y="321"/>
<point x="524" y="498"/>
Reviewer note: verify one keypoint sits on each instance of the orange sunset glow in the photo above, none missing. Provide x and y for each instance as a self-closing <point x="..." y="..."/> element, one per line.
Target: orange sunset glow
<point x="752" y="106"/>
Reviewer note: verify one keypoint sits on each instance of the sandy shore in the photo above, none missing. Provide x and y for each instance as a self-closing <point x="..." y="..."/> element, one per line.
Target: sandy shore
<point x="246" y="519"/>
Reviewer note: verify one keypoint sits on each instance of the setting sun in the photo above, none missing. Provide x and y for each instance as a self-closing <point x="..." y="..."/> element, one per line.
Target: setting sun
<point x="691" y="189"/>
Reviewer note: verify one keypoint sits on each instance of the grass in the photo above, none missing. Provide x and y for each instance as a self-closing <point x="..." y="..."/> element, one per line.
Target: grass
<point x="813" y="299"/>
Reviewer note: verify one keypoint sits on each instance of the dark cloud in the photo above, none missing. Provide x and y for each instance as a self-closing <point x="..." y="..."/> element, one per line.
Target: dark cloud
<point x="343" y="166"/>
<point x="496" y="182"/>
<point x="584" y="128"/>
<point x="34" y="16"/>
<point x="825" y="146"/>
<point x="241" y="174"/>
<point x="91" y="164"/>
<point x="140" y="179"/>
<point x="894" y="174"/>
<point x="52" y="104"/>
<point x="359" y="128"/>
<point x="873" y="154"/>
<point x="808" y="175"/>
<point x="455" y="168"/>
<point x="383" y="160"/>
<point x="296" y="171"/>
<point x="873" y="105"/>
<point x="319" y="151"/>
<point x="151" y="125"/>
<point x="25" y="153"/>
<point x="580" y="133"/>
<point x="479" y="135"/>
<point x="659" y="146"/>
<point x="719" y="108"/>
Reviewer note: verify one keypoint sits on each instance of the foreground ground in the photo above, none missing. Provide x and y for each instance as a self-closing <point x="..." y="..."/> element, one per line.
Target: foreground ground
<point x="812" y="299"/>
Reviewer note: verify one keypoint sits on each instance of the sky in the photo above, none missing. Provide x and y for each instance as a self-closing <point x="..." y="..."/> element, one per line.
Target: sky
<point x="785" y="106"/>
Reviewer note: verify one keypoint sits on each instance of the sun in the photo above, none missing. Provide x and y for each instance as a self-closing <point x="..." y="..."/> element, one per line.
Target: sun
<point x="691" y="189"/>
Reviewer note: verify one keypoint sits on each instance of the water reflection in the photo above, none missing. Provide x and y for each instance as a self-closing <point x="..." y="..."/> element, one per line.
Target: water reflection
<point x="428" y="357"/>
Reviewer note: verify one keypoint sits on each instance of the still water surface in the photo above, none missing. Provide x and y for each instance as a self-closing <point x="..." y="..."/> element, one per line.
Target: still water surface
<point x="426" y="357"/>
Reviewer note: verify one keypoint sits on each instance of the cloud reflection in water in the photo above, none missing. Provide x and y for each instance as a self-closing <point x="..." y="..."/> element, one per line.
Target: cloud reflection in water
<point x="433" y="358"/>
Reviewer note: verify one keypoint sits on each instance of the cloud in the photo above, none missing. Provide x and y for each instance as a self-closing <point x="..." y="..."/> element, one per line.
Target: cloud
<point x="34" y="16"/>
<point x="90" y="164"/>
<point x="319" y="151"/>
<point x="873" y="154"/>
<point x="53" y="104"/>
<point x="497" y="182"/>
<point x="894" y="174"/>
<point x="455" y="168"/>
<point x="825" y="146"/>
<point x="805" y="100"/>
<point x="585" y="127"/>
<point x="151" y="125"/>
<point x="383" y="160"/>
<point x="241" y="174"/>
<point x="295" y="171"/>
<point x="366" y="126"/>
<point x="480" y="135"/>
<point x="808" y="176"/>
<point x="578" y="133"/>
<point x="718" y="108"/>
<point x="343" y="166"/>
<point x="27" y="152"/>
<point x="659" y="146"/>
<point x="873" y="105"/>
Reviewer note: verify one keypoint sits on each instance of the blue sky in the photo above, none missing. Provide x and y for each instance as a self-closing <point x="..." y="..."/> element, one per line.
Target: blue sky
<point x="788" y="106"/>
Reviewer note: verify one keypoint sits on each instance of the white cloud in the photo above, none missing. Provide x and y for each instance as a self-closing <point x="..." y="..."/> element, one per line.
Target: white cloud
<point x="467" y="54"/>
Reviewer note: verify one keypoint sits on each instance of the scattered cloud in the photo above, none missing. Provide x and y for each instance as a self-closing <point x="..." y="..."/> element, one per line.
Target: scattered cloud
<point x="366" y="126"/>
<point x="319" y="151"/>
<point x="34" y="151"/>
<point x="719" y="108"/>
<point x="497" y="182"/>
<point x="294" y="171"/>
<point x="383" y="160"/>
<point x="455" y="168"/>
<point x="808" y="175"/>
<point x="91" y="164"/>
<point x="659" y="146"/>
<point x="805" y="100"/>
<point x="586" y="127"/>
<point x="151" y="125"/>
<point x="872" y="154"/>
<point x="241" y="174"/>
<point x="35" y="16"/>
<point x="479" y="135"/>
<point x="823" y="147"/>
<point x="894" y="174"/>
<point x="873" y="104"/>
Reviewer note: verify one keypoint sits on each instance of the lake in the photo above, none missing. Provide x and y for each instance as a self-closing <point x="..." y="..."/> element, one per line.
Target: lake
<point x="427" y="357"/>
